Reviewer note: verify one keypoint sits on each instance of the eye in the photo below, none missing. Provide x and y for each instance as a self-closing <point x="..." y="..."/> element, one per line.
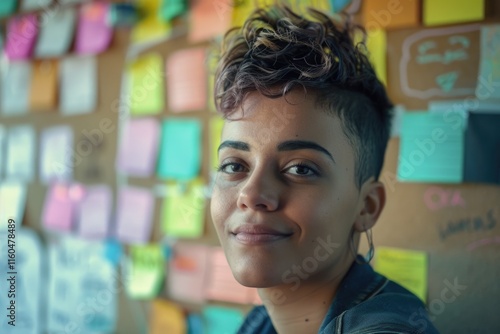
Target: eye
<point x="231" y="168"/>
<point x="301" y="170"/>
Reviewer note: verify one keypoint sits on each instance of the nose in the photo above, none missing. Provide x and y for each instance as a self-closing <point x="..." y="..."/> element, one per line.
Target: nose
<point x="260" y="192"/>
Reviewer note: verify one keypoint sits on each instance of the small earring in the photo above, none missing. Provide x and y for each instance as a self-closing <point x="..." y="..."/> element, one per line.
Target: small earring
<point x="369" y="256"/>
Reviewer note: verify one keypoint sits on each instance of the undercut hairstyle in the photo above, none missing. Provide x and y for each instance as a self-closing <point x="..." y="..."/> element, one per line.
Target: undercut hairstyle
<point x="278" y="50"/>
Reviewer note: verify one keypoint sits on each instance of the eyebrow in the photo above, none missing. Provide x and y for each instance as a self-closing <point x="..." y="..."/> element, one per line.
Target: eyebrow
<point x="289" y="145"/>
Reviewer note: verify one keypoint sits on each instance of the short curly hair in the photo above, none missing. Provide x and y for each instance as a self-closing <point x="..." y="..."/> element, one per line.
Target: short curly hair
<point x="277" y="50"/>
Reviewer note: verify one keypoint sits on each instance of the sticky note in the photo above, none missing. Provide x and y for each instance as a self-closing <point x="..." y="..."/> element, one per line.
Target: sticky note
<point x="78" y="85"/>
<point x="93" y="34"/>
<point x="146" y="271"/>
<point x="16" y="88"/>
<point x="60" y="205"/>
<point x="186" y="82"/>
<point x="221" y="284"/>
<point x="216" y="125"/>
<point x="170" y="9"/>
<point x="166" y="317"/>
<point x="437" y="12"/>
<point x="376" y="44"/>
<point x="12" y="202"/>
<point x="431" y="148"/>
<point x="138" y="147"/>
<point x="406" y="267"/>
<point x="22" y="32"/>
<point x="209" y="19"/>
<point x="220" y="319"/>
<point x="21" y="153"/>
<point x="187" y="270"/>
<point x="7" y="7"/>
<point x="147" y="92"/>
<point x="489" y="65"/>
<point x="388" y="14"/>
<point x="79" y="275"/>
<point x="184" y="210"/>
<point x="180" y="162"/>
<point x="3" y="145"/>
<point x="94" y="212"/>
<point x="56" y="34"/>
<point x="56" y="144"/>
<point x="339" y="5"/>
<point x="113" y="251"/>
<point x="482" y="143"/>
<point x="44" y="85"/>
<point x="30" y="259"/>
<point x="151" y="26"/>
<point x="195" y="324"/>
<point x="34" y="4"/>
<point x="134" y="215"/>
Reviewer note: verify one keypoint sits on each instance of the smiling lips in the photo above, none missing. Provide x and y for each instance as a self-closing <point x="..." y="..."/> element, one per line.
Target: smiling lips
<point x="258" y="234"/>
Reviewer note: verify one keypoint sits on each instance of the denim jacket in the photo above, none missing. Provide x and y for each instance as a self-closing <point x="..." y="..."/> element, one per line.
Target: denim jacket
<point x="366" y="303"/>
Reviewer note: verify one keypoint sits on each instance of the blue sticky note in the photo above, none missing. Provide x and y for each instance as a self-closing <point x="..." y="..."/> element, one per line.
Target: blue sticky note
<point x="195" y="324"/>
<point x="180" y="150"/>
<point x="431" y="147"/>
<point x="113" y="251"/>
<point x="339" y="5"/>
<point x="7" y="7"/>
<point x="222" y="319"/>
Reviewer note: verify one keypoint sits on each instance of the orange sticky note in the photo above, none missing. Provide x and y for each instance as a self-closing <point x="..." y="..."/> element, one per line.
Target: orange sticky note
<point x="186" y="80"/>
<point x="44" y="83"/>
<point x="390" y="14"/>
<point x="167" y="317"/>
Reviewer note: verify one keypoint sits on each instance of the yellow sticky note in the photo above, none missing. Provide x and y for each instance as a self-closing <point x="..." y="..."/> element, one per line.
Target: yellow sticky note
<point x="147" y="92"/>
<point x="301" y="6"/>
<point x="166" y="317"/>
<point x="242" y="10"/>
<point x="376" y="44"/>
<point x="184" y="210"/>
<point x="216" y="125"/>
<point x="146" y="271"/>
<point x="405" y="267"/>
<point x="438" y="12"/>
<point x="150" y="27"/>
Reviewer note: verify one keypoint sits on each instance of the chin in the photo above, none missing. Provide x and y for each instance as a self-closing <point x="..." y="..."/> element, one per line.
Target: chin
<point x="255" y="276"/>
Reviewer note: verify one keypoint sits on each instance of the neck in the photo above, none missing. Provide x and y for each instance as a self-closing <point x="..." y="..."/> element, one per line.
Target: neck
<point x="301" y="308"/>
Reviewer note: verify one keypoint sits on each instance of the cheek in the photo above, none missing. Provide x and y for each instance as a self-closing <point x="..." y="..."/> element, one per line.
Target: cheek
<point x="220" y="206"/>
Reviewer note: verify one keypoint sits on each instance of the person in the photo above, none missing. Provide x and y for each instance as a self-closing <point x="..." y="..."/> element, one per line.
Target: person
<point x="306" y="125"/>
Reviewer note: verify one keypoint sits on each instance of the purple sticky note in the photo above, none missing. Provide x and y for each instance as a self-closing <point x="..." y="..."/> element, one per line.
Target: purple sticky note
<point x="22" y="32"/>
<point x="93" y="34"/>
<point x="94" y="212"/>
<point x="134" y="215"/>
<point x="60" y="206"/>
<point x="138" y="147"/>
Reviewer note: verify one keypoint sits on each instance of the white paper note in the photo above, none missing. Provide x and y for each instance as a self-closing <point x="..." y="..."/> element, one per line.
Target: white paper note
<point x="16" y="85"/>
<point x="55" y="160"/>
<point x="78" y="80"/>
<point x="3" y="134"/>
<point x="12" y="202"/>
<point x="56" y="34"/>
<point x="35" y="4"/>
<point x="21" y="153"/>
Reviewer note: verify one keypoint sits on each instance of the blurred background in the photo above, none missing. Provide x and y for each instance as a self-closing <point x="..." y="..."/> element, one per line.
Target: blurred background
<point x="108" y="139"/>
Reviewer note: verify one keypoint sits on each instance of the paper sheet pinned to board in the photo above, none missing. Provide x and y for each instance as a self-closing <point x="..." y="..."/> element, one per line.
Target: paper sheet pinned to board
<point x="78" y="85"/>
<point x="406" y="267"/>
<point x="488" y="84"/>
<point x="147" y="86"/>
<point x="439" y="12"/>
<point x="93" y="34"/>
<point x="16" y="88"/>
<point x="220" y="319"/>
<point x="44" y="85"/>
<point x="95" y="211"/>
<point x="134" y="214"/>
<point x="166" y="317"/>
<point x="56" y="144"/>
<point x="56" y="34"/>
<point x="21" y="153"/>
<point x="145" y="272"/>
<point x="22" y="32"/>
<point x="12" y="202"/>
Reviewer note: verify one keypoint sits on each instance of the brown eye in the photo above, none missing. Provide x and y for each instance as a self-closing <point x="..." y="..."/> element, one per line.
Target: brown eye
<point x="302" y="170"/>
<point x="231" y="168"/>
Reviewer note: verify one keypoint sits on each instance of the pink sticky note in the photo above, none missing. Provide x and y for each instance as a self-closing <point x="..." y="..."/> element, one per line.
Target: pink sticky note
<point x="187" y="272"/>
<point x="221" y="284"/>
<point x="21" y="37"/>
<point x="93" y="34"/>
<point x="139" y="147"/>
<point x="60" y="205"/>
<point x="95" y="212"/>
<point x="134" y="215"/>
<point x="187" y="80"/>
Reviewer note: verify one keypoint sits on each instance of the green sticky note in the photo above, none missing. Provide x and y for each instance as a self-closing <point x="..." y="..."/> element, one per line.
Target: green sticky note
<point x="147" y="87"/>
<point x="216" y="125"/>
<point x="7" y="7"/>
<point x="222" y="319"/>
<point x="405" y="267"/>
<point x="172" y="8"/>
<point x="146" y="271"/>
<point x="438" y="12"/>
<point x="431" y="147"/>
<point x="184" y="210"/>
<point x="180" y="150"/>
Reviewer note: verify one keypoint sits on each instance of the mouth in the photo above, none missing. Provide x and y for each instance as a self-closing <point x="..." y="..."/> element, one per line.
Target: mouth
<point x="258" y="235"/>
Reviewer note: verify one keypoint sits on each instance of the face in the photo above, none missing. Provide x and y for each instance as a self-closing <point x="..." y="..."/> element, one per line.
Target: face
<point x="284" y="200"/>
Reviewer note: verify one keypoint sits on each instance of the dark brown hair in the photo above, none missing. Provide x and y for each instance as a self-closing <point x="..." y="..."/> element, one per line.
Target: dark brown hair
<point x="278" y="50"/>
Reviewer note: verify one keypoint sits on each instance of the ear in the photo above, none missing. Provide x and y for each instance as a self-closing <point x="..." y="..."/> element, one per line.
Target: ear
<point x="372" y="201"/>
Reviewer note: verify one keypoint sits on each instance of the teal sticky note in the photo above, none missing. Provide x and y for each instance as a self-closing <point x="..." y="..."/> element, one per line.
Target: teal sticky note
<point x="222" y="319"/>
<point x="170" y="9"/>
<point x="180" y="150"/>
<point x="113" y="251"/>
<point x="339" y="5"/>
<point x="431" y="147"/>
<point x="195" y="324"/>
<point x="7" y="7"/>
